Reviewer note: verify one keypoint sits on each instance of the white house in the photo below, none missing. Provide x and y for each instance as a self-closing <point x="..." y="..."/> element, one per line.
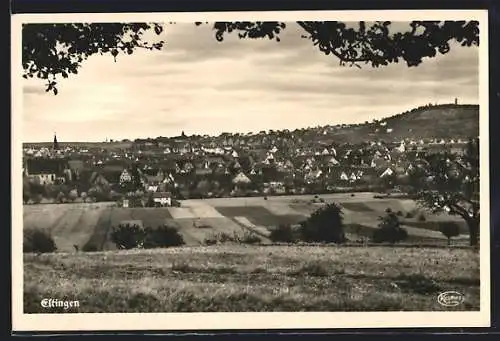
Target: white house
<point x="162" y="198"/>
<point x="333" y="161"/>
<point x="353" y="177"/>
<point x="125" y="177"/>
<point x="401" y="148"/>
<point x="387" y="172"/>
<point x="241" y="178"/>
<point x="343" y="176"/>
<point x="152" y="188"/>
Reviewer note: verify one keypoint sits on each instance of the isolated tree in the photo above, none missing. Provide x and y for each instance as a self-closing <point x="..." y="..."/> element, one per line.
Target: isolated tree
<point x="53" y="50"/>
<point x="127" y="236"/>
<point x="60" y="197"/>
<point x="446" y="182"/>
<point x="449" y="229"/>
<point x="390" y="229"/>
<point x="150" y="202"/>
<point x="324" y="225"/>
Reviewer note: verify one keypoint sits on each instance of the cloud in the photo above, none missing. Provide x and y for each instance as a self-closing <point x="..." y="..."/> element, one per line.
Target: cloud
<point x="33" y="89"/>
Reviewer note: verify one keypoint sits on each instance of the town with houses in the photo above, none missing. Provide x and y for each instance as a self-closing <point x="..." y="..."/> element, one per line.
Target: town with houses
<point x="162" y="171"/>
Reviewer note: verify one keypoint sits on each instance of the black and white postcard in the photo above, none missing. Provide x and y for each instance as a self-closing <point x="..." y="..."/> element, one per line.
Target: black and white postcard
<point x="250" y="170"/>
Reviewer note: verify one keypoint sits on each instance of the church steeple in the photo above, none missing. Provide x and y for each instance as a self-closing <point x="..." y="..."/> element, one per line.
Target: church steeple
<point x="56" y="144"/>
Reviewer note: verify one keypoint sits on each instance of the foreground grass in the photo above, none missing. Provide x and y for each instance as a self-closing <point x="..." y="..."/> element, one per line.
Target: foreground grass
<point x="251" y="278"/>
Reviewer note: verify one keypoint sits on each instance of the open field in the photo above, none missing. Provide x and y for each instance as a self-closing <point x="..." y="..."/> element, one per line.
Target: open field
<point x="254" y="278"/>
<point x="90" y="224"/>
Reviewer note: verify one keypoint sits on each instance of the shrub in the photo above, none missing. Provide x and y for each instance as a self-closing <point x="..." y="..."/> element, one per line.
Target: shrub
<point x="316" y="197"/>
<point x="249" y="238"/>
<point x="163" y="236"/>
<point x="90" y="248"/>
<point x="399" y="213"/>
<point x="128" y="236"/>
<point x="219" y="238"/>
<point x="38" y="240"/>
<point x="352" y="194"/>
<point x="321" y="200"/>
<point x="265" y="198"/>
<point x="409" y="215"/>
<point x="210" y="241"/>
<point x="389" y="230"/>
<point x="421" y="217"/>
<point x="324" y="225"/>
<point x="282" y="233"/>
<point x="449" y="229"/>
<point x="246" y="237"/>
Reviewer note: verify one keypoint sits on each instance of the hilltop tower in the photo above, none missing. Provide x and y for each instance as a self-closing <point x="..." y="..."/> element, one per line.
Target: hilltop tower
<point x="55" y="145"/>
<point x="456" y="101"/>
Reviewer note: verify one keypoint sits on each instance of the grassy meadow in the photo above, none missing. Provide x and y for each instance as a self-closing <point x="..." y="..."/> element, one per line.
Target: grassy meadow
<point x="238" y="277"/>
<point x="253" y="278"/>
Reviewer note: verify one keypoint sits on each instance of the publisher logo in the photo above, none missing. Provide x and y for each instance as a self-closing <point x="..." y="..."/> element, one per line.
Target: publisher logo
<point x="450" y="298"/>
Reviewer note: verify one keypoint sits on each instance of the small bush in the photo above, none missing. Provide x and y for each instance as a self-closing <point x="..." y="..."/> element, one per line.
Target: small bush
<point x="399" y="213"/>
<point x="389" y="230"/>
<point x="449" y="229"/>
<point x="245" y="237"/>
<point x="209" y="241"/>
<point x="128" y="236"/>
<point x="265" y="198"/>
<point x="409" y="215"/>
<point x="282" y="233"/>
<point x="421" y="217"/>
<point x="249" y="238"/>
<point x="324" y="225"/>
<point x="321" y="200"/>
<point x="316" y="197"/>
<point x="352" y="195"/>
<point x="90" y="248"/>
<point x="163" y="236"/>
<point x="38" y="240"/>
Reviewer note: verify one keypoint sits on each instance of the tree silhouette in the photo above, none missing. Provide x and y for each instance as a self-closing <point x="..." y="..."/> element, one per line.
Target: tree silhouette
<point x="53" y="50"/>
<point x="324" y="225"/>
<point x="449" y="229"/>
<point x="450" y="183"/>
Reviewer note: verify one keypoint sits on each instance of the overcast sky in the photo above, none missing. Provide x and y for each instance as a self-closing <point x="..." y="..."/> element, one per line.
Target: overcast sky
<point x="200" y="86"/>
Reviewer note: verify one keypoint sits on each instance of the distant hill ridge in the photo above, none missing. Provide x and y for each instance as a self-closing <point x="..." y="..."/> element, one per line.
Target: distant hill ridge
<point x="426" y="122"/>
<point x="446" y="121"/>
